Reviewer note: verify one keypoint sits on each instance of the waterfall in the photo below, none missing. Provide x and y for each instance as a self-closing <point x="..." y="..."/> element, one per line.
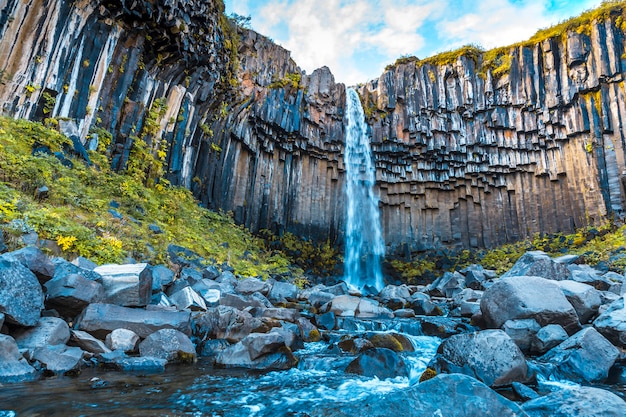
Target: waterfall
<point x="365" y="247"/>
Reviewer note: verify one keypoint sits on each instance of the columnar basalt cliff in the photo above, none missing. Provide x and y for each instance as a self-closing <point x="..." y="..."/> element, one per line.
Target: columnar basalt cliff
<point x="466" y="155"/>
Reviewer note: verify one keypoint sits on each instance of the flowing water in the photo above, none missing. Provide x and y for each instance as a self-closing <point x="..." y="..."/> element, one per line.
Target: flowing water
<point x="365" y="247"/>
<point x="317" y="384"/>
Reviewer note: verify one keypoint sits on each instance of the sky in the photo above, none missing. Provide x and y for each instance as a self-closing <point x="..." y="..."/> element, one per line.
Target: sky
<point x="356" y="39"/>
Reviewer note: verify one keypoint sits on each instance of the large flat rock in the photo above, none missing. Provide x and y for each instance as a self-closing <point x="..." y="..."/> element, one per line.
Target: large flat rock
<point x="101" y="319"/>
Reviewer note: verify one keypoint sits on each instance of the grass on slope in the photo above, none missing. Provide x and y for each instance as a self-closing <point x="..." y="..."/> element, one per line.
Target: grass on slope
<point x="75" y="217"/>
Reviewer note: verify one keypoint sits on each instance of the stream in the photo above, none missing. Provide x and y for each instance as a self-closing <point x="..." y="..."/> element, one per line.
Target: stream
<point x="201" y="390"/>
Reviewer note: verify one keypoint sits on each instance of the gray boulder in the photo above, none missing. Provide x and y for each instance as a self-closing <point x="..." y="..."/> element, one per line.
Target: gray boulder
<point x="274" y="356"/>
<point x="585" y="357"/>
<point x="13" y="367"/>
<point x="251" y="285"/>
<point x="63" y="267"/>
<point x="378" y="362"/>
<point x="169" y="344"/>
<point x="101" y="319"/>
<point x="162" y="276"/>
<point x="395" y="296"/>
<point x="47" y="331"/>
<point x="422" y="305"/>
<point x="523" y="297"/>
<point x="612" y="322"/>
<point x="224" y="322"/>
<point x="577" y="402"/>
<point x="351" y="306"/>
<point x="122" y="339"/>
<point x="308" y="331"/>
<point x="490" y="356"/>
<point x="522" y="332"/>
<point x="538" y="264"/>
<point x="584" y="298"/>
<point x="588" y="275"/>
<point x="447" y="285"/>
<point x="69" y="294"/>
<point x="58" y="359"/>
<point x="444" y="395"/>
<point x="548" y="337"/>
<point x="87" y="342"/>
<point x="282" y="292"/>
<point x="188" y="299"/>
<point x="21" y="296"/>
<point x="476" y="276"/>
<point x="35" y="260"/>
<point x="128" y="285"/>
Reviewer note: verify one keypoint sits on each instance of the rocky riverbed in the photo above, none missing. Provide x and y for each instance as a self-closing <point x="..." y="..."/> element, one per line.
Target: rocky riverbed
<point x="545" y="338"/>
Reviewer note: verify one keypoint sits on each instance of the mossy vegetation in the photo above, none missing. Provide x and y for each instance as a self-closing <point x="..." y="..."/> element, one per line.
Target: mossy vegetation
<point x="108" y="217"/>
<point x="315" y="258"/>
<point x="603" y="247"/>
<point x="291" y="79"/>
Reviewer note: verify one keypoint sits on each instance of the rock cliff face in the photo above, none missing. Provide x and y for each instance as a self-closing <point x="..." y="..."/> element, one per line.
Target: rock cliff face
<point x="464" y="159"/>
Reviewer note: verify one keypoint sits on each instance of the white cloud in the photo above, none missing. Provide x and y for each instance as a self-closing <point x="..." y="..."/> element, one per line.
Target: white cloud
<point x="338" y="33"/>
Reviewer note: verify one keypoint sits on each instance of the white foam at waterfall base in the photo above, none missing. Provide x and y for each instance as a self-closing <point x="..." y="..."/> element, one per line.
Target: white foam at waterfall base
<point x="365" y="247"/>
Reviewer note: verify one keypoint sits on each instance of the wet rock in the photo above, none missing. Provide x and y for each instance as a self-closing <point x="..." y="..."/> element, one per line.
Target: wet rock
<point x="378" y="362"/>
<point x="318" y="298"/>
<point x="118" y="360"/>
<point x="548" y="337"/>
<point x="47" y="331"/>
<point x="395" y="297"/>
<point x="390" y="340"/>
<point x="404" y="313"/>
<point x="585" y="357"/>
<point x="490" y="356"/>
<point x="308" y="331"/>
<point x="58" y="359"/>
<point x="577" y="402"/>
<point x="84" y="263"/>
<point x="69" y="294"/>
<point x="101" y="319"/>
<point x="522" y="297"/>
<point x="354" y="345"/>
<point x="128" y="285"/>
<point x="188" y="299"/>
<point x="522" y="332"/>
<point x="538" y="264"/>
<point x="326" y="321"/>
<point x="423" y="306"/>
<point x="584" y="298"/>
<point x="371" y="309"/>
<point x="87" y="342"/>
<point x="448" y="285"/>
<point x="168" y="344"/>
<point x="277" y="356"/>
<point x="439" y="396"/>
<point x="523" y="392"/>
<point x="13" y="367"/>
<point x="443" y="326"/>
<point x="122" y="339"/>
<point x="224" y="322"/>
<point x="21" y="296"/>
<point x="612" y="322"/>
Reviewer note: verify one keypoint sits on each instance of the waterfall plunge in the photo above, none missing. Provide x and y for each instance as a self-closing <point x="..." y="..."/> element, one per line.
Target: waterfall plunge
<point x="365" y="247"/>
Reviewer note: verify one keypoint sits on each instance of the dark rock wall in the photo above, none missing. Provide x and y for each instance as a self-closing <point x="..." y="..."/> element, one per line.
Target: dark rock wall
<point x="463" y="159"/>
